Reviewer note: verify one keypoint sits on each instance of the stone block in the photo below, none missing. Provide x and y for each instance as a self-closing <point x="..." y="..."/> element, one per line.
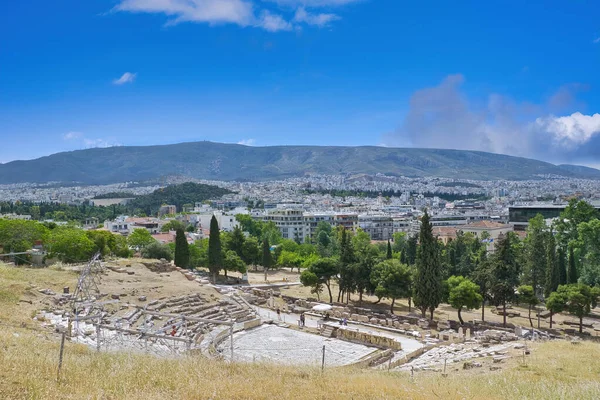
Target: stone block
<point x="363" y="318"/>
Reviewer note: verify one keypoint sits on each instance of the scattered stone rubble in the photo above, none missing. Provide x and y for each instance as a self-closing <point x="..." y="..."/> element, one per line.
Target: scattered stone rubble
<point x="434" y="359"/>
<point x="159" y="266"/>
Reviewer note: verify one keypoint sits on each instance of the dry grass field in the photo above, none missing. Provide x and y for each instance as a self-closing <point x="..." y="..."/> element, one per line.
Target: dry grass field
<point x="29" y="356"/>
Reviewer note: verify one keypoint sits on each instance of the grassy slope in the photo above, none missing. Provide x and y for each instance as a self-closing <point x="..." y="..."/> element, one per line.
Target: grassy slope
<point x="28" y="360"/>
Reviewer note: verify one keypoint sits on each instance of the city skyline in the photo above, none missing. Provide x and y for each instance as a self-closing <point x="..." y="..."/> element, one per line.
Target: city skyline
<point x="323" y="72"/>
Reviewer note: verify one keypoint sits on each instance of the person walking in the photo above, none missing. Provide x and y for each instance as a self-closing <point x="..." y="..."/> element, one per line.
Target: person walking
<point x="302" y="320"/>
<point x="278" y="314"/>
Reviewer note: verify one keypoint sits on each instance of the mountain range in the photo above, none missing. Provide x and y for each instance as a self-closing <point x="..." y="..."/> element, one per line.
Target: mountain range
<point x="222" y="161"/>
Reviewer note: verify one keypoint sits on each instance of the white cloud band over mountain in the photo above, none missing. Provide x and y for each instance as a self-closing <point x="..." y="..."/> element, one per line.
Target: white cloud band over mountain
<point x="443" y="116"/>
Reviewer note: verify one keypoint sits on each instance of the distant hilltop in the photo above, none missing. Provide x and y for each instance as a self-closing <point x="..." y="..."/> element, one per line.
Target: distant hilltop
<point x="222" y="161"/>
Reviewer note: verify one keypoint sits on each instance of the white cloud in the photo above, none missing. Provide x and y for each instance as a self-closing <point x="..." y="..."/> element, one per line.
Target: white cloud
<point x="571" y="130"/>
<point x="127" y="77"/>
<point x="322" y="19"/>
<point x="314" y="3"/>
<point x="72" y="135"/>
<point x="273" y="22"/>
<point x="247" y="142"/>
<point x="98" y="143"/>
<point x="443" y="116"/>
<point x="240" y="12"/>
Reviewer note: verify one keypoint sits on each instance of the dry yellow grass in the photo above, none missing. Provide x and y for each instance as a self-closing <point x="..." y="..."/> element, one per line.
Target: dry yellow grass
<point x="28" y="371"/>
<point x="28" y="366"/>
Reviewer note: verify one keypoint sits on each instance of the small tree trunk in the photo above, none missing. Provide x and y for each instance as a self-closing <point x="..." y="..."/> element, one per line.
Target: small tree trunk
<point x="340" y="295"/>
<point x="581" y="324"/>
<point x="392" y="307"/>
<point x="504" y="312"/>
<point x="551" y="314"/>
<point x="265" y="274"/>
<point x="423" y="311"/>
<point x="329" y="290"/>
<point x="348" y="297"/>
<point x="225" y="270"/>
<point x="409" y="304"/>
<point x="431" y="309"/>
<point x="460" y="316"/>
<point x="360" y="293"/>
<point x="482" y="310"/>
<point x="378" y="300"/>
<point x="530" y="321"/>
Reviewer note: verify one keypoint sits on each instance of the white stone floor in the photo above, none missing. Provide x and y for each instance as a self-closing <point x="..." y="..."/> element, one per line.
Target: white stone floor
<point x="272" y="343"/>
<point x="408" y="344"/>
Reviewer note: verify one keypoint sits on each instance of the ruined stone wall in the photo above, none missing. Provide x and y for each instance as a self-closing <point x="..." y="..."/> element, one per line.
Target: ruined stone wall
<point x="352" y="335"/>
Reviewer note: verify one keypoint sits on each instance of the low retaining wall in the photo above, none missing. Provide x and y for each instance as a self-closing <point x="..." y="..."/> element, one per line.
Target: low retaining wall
<point x="355" y="336"/>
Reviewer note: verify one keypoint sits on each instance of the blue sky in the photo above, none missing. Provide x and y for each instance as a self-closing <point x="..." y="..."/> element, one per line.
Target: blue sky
<point x="512" y="77"/>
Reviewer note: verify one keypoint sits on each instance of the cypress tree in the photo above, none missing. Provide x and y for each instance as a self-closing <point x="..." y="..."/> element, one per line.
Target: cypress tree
<point x="535" y="252"/>
<point x="389" y="251"/>
<point x="346" y="279"/>
<point x="562" y="267"/>
<point x="552" y="273"/>
<point x="267" y="257"/>
<point x="237" y="241"/>
<point x="504" y="272"/>
<point x="411" y="250"/>
<point x="182" y="250"/>
<point x="215" y="257"/>
<point x="572" y="275"/>
<point x="428" y="281"/>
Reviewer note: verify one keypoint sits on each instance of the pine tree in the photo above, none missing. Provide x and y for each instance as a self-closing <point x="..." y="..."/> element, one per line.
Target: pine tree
<point x="428" y="282"/>
<point x="552" y="273"/>
<point x="267" y="257"/>
<point x="389" y="255"/>
<point x="182" y="250"/>
<point x="215" y="257"/>
<point x="572" y="275"/>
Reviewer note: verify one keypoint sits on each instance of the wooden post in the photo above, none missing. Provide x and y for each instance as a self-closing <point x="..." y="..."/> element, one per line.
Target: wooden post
<point x="231" y="341"/>
<point x="60" y="355"/>
<point x="323" y="360"/>
<point x="98" y="336"/>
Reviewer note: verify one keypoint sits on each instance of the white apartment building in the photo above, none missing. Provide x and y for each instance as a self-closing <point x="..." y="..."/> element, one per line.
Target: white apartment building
<point x="298" y="225"/>
<point x="379" y="227"/>
<point x="226" y="221"/>
<point x="289" y="222"/>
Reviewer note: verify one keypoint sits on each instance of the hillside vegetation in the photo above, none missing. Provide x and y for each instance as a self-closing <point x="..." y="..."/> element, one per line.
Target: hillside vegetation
<point x="220" y="161"/>
<point x="178" y="195"/>
<point x="185" y="193"/>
